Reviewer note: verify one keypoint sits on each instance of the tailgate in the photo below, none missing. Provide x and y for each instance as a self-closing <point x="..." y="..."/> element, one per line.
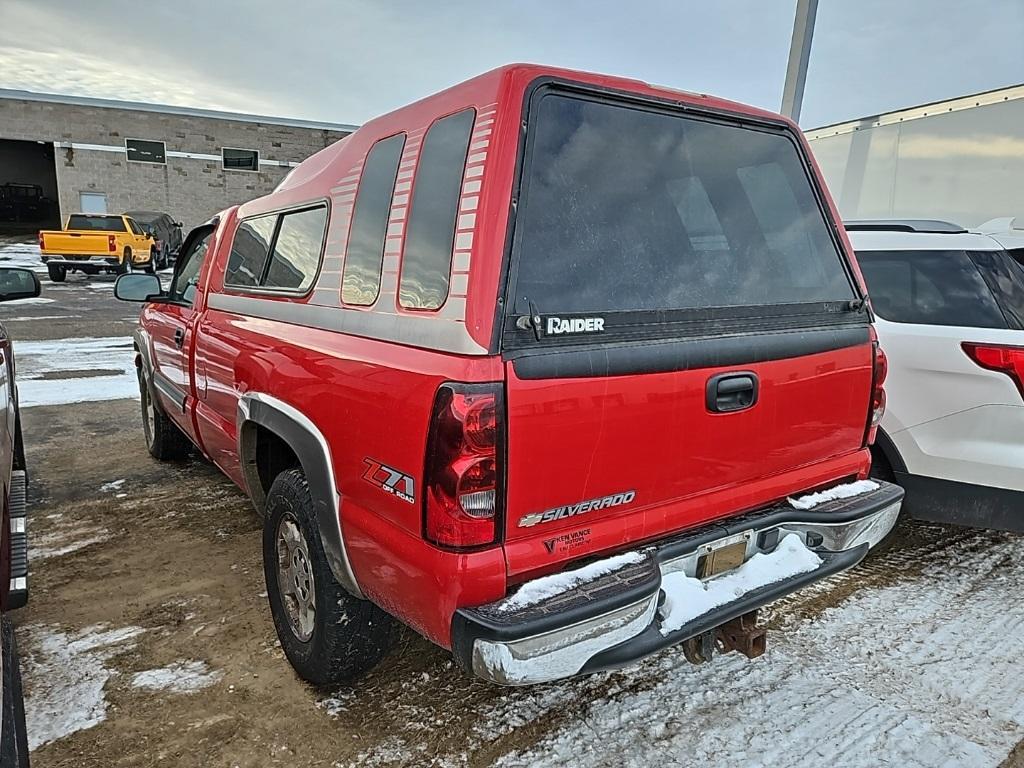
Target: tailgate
<point x="684" y="335"/>
<point x="78" y="243"/>
<point x="646" y="450"/>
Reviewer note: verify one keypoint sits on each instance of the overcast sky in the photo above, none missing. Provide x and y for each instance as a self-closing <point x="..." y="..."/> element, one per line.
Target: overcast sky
<point x="347" y="60"/>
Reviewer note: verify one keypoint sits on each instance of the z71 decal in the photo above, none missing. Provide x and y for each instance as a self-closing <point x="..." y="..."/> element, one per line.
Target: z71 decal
<point x="390" y="480"/>
<point x="560" y="513"/>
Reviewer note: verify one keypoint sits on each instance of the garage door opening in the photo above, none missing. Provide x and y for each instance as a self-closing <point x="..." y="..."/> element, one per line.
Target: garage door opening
<point x="28" y="187"/>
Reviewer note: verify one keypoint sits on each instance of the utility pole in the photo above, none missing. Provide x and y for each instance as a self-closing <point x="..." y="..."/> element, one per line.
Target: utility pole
<point x="799" y="55"/>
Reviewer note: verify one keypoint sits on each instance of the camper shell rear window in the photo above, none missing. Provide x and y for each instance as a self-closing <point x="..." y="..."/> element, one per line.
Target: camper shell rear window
<point x="629" y="209"/>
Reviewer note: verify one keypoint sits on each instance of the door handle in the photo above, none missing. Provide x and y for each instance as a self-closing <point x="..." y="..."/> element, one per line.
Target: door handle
<point x="734" y="391"/>
<point x="179" y="337"/>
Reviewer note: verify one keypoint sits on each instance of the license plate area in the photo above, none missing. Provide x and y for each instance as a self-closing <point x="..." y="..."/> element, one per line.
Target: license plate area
<point x="723" y="555"/>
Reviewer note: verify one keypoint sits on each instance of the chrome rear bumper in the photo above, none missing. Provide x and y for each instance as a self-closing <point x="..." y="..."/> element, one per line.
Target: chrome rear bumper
<point x="617" y="619"/>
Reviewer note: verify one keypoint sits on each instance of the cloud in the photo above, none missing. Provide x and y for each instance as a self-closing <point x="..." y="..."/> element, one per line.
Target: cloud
<point x="349" y="60"/>
<point x="86" y="74"/>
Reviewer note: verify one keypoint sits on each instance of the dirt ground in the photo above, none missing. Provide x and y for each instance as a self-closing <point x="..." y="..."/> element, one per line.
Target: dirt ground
<point x="164" y="569"/>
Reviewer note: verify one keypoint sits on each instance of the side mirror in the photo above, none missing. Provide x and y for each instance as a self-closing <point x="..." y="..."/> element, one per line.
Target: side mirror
<point x="18" y="283"/>
<point x="178" y="224"/>
<point x="138" y="286"/>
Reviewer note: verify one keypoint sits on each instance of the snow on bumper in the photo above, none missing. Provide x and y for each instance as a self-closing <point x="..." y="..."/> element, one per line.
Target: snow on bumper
<point x="612" y="613"/>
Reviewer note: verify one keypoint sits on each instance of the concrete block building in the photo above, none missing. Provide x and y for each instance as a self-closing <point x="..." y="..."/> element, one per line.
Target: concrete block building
<point x="65" y="154"/>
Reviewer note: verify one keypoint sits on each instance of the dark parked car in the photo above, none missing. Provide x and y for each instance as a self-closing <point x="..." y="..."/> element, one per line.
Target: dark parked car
<point x="14" y="284"/>
<point x="23" y="202"/>
<point x="166" y="230"/>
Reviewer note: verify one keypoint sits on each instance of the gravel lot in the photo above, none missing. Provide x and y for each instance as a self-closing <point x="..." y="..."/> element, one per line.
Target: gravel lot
<point x="148" y="640"/>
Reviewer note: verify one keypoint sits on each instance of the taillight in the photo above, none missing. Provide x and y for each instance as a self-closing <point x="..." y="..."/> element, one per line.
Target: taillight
<point x="462" y="500"/>
<point x="41" y="242"/>
<point x="879" y="370"/>
<point x="999" y="357"/>
<point x="111" y="243"/>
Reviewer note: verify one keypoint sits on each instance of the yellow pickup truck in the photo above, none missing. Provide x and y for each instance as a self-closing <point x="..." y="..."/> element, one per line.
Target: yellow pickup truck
<point x="93" y="243"/>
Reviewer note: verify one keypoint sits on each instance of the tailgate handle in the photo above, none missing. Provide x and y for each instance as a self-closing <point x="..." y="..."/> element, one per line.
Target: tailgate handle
<point x="179" y="337"/>
<point x="728" y="392"/>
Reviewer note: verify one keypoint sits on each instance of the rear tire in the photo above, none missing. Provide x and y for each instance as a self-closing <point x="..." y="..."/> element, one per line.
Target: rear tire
<point x="163" y="438"/>
<point x="13" y="736"/>
<point x="329" y="636"/>
<point x="126" y="263"/>
<point x="57" y="272"/>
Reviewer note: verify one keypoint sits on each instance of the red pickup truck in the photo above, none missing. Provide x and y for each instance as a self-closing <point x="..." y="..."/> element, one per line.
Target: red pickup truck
<point x="559" y="369"/>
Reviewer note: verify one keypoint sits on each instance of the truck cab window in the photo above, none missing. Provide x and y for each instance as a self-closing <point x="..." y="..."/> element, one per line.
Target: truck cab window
<point x="183" y="290"/>
<point x="295" y="257"/>
<point x="249" y="252"/>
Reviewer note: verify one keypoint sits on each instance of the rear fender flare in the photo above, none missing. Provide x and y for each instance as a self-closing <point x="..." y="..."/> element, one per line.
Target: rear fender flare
<point x="143" y="354"/>
<point x="314" y="454"/>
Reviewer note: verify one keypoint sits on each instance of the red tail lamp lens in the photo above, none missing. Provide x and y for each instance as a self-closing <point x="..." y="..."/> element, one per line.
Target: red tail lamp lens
<point x="463" y="473"/>
<point x="879" y="371"/>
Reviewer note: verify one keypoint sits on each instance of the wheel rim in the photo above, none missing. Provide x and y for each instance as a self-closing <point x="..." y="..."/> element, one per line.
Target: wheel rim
<point x="295" y="578"/>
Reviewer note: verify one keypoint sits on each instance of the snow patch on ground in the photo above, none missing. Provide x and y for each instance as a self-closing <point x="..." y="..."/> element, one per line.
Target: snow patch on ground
<point x="113" y="485"/>
<point x="919" y="674"/>
<point x="38" y="317"/>
<point x="535" y="591"/>
<point x="25" y="255"/>
<point x="179" y="677"/>
<point x="66" y="541"/>
<point x="337" y="704"/>
<point x="686" y="597"/>
<point x="65" y="675"/>
<point x="33" y="300"/>
<point x="845" y="491"/>
<point x="40" y="364"/>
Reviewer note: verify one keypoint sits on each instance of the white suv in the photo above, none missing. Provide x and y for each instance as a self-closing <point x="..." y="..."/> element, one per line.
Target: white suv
<point x="950" y="317"/>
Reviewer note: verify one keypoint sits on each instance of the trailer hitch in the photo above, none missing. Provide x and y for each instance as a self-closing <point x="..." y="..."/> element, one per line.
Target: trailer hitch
<point x="741" y="634"/>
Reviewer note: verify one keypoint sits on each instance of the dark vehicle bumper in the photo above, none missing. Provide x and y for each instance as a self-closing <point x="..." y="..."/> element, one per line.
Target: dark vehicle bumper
<point x="616" y="619"/>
